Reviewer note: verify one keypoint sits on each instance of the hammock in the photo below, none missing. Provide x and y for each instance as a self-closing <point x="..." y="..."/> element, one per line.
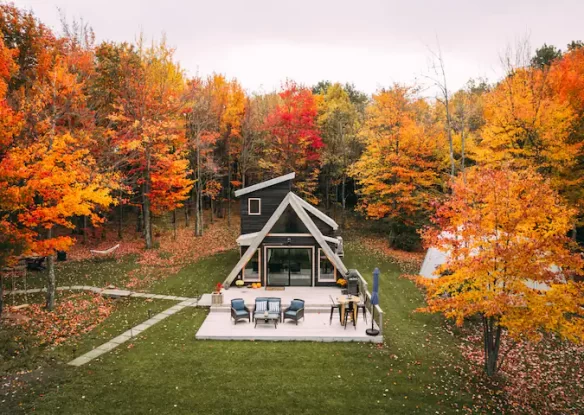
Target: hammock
<point x="106" y="252"/>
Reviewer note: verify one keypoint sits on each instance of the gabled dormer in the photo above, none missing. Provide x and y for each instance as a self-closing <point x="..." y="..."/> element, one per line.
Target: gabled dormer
<point x="260" y="201"/>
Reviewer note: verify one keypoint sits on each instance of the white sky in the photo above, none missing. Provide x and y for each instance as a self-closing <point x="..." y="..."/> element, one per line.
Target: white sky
<point x="371" y="43"/>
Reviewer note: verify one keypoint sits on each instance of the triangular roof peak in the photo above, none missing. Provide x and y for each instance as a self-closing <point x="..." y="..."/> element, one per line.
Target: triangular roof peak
<point x="263" y="185"/>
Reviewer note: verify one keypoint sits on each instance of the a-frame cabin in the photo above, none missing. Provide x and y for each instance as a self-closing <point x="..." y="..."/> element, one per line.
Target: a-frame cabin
<point x="284" y="240"/>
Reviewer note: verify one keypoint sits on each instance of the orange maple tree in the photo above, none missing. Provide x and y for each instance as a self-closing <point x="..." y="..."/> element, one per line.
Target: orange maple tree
<point x="527" y="125"/>
<point x="150" y="134"/>
<point x="398" y="173"/>
<point x="567" y="81"/>
<point x="48" y="169"/>
<point x="509" y="260"/>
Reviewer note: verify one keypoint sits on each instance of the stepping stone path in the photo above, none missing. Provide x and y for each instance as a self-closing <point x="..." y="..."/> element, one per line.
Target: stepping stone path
<point x="129" y="334"/>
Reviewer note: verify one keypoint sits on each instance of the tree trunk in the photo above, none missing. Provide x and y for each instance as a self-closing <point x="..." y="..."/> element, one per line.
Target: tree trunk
<point x="336" y="202"/>
<point x="228" y="187"/>
<point x="84" y="229"/>
<point x="212" y="210"/>
<point x="146" y="204"/>
<point x="51" y="285"/>
<point x="120" y="220"/>
<point x="139" y="226"/>
<point x="146" y="216"/>
<point x="327" y="192"/>
<point x="343" y="200"/>
<point x="229" y="195"/>
<point x="198" y="214"/>
<point x="492" y="342"/>
<point x="1" y="293"/>
<point x="174" y="224"/>
<point x="198" y="192"/>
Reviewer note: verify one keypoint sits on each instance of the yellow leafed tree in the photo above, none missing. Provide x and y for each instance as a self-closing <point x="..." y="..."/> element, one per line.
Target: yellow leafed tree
<point x="398" y="172"/>
<point x="527" y="125"/>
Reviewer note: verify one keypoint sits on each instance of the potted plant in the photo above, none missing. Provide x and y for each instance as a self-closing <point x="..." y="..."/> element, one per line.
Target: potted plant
<point x="217" y="296"/>
<point x="341" y="282"/>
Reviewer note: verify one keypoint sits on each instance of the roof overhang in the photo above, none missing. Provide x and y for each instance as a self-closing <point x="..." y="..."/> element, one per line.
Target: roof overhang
<point x="265" y="184"/>
<point x="246" y="238"/>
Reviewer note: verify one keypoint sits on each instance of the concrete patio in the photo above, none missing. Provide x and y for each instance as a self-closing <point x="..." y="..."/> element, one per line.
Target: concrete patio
<point x="314" y="327"/>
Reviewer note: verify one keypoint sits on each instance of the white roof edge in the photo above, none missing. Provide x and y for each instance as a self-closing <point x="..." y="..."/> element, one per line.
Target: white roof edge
<point x="331" y="240"/>
<point x="303" y="215"/>
<point x="326" y="219"/>
<point x="246" y="237"/>
<point x="265" y="184"/>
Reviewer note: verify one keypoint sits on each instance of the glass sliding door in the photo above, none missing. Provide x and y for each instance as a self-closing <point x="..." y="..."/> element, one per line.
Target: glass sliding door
<point x="289" y="266"/>
<point x="277" y="266"/>
<point x="300" y="266"/>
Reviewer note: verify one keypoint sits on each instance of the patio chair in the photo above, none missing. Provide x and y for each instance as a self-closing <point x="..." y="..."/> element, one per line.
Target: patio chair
<point x="349" y="311"/>
<point x="295" y="311"/>
<point x="334" y="307"/>
<point x="260" y="306"/>
<point x="239" y="311"/>
<point x="362" y="306"/>
<point x="275" y="306"/>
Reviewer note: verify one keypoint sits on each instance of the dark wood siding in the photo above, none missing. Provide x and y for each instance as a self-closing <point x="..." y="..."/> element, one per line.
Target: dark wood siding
<point x="325" y="229"/>
<point x="271" y="198"/>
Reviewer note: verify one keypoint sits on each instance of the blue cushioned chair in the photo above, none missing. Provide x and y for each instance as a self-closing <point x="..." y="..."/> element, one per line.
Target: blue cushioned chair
<point x="275" y="307"/>
<point x="260" y="306"/>
<point x="239" y="311"/>
<point x="295" y="311"/>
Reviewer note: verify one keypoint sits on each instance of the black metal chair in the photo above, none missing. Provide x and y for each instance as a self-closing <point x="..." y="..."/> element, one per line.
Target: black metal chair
<point x="362" y="306"/>
<point x="334" y="307"/>
<point x="350" y="311"/>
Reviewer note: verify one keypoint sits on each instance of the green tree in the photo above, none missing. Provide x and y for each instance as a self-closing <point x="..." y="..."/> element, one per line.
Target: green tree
<point x="339" y="123"/>
<point x="545" y="55"/>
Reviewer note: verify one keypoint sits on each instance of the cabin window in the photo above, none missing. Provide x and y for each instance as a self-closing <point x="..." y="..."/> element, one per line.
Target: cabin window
<point x="252" y="270"/>
<point x="326" y="270"/>
<point x="254" y="206"/>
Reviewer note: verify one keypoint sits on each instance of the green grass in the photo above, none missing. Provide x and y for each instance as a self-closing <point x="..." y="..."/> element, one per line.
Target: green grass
<point x="198" y="278"/>
<point x="166" y="366"/>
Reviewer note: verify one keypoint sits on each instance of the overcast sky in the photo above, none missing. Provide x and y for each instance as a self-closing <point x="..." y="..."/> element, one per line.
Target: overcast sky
<point x="371" y="43"/>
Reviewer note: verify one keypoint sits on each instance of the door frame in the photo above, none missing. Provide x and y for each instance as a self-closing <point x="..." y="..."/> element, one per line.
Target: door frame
<point x="265" y="262"/>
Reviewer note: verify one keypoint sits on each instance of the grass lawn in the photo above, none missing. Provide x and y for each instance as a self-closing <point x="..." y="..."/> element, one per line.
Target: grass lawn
<point x="165" y="370"/>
